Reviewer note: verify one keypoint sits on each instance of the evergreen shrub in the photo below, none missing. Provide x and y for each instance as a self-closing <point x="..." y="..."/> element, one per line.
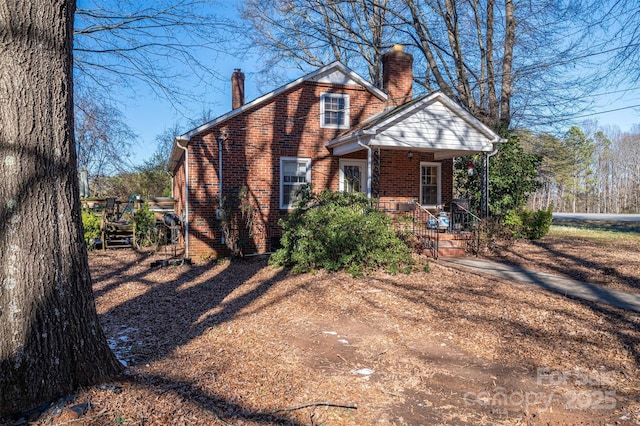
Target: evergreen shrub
<point x="340" y="231"/>
<point x="528" y="224"/>
<point x="145" y="222"/>
<point x="91" y="226"/>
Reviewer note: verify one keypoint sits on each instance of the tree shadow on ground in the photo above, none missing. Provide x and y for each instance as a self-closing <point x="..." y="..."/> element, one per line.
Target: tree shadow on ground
<point x="217" y="407"/>
<point x="483" y="307"/>
<point x="215" y="410"/>
<point x="570" y="265"/>
<point x="177" y="305"/>
<point x="166" y="314"/>
<point x="114" y="276"/>
<point x="192" y="300"/>
<point x="565" y="260"/>
<point x="172" y="312"/>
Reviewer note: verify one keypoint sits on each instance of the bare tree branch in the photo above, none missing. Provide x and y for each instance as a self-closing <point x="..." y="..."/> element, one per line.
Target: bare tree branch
<point x="125" y="43"/>
<point x="498" y="58"/>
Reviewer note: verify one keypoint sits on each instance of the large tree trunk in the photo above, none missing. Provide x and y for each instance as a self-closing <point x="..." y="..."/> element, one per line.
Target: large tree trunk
<point x="50" y="338"/>
<point x="507" y="64"/>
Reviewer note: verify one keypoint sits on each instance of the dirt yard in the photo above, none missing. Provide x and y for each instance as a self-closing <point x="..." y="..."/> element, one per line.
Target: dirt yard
<point x="241" y="343"/>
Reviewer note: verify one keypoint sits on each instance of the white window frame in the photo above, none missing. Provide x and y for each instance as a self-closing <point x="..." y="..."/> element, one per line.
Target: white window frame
<point x="282" y="183"/>
<point x="438" y="184"/>
<point x="323" y="98"/>
<point x="352" y="162"/>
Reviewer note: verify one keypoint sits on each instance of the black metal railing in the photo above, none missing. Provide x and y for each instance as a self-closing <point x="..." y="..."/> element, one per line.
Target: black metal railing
<point x="417" y="220"/>
<point x="427" y="228"/>
<point x="465" y="224"/>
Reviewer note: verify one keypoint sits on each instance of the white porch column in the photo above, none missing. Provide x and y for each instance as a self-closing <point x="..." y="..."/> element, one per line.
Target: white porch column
<point x="369" y="165"/>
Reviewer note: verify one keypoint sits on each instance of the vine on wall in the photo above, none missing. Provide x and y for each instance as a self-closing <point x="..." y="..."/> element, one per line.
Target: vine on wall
<point x="236" y="221"/>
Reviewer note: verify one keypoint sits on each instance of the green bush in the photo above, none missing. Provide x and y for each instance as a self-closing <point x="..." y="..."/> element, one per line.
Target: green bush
<point x="536" y="224"/>
<point x="340" y="231"/>
<point x="146" y="230"/>
<point x="91" y="225"/>
<point x="527" y="224"/>
<point x="512" y="224"/>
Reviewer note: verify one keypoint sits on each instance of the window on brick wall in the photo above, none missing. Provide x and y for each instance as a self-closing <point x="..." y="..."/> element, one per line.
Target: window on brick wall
<point x="430" y="184"/>
<point x="294" y="173"/>
<point x="334" y="111"/>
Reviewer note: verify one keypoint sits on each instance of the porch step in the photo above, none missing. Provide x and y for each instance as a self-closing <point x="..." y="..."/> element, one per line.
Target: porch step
<point x="452" y="248"/>
<point x="449" y="245"/>
<point x="462" y="236"/>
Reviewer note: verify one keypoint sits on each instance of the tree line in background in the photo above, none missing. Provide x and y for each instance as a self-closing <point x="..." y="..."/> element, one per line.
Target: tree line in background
<point x="586" y="170"/>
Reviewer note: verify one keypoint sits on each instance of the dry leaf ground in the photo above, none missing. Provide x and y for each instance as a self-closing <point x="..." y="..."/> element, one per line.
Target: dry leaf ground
<point x="243" y="343"/>
<point x="610" y="261"/>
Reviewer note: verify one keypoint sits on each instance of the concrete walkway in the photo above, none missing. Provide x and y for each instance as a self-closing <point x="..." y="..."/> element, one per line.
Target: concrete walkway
<point x="551" y="282"/>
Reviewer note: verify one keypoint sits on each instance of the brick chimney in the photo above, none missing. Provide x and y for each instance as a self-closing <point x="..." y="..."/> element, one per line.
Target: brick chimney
<point x="397" y="75"/>
<point x="237" y="89"/>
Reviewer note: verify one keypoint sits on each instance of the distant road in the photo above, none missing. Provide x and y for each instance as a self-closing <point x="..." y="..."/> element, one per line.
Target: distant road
<point x="598" y="216"/>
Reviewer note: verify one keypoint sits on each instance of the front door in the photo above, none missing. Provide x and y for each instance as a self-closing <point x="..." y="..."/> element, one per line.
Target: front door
<point x="353" y="175"/>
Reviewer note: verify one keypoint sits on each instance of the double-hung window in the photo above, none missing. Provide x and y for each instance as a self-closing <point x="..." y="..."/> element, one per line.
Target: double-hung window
<point x="430" y="191"/>
<point x="334" y="111"/>
<point x="294" y="173"/>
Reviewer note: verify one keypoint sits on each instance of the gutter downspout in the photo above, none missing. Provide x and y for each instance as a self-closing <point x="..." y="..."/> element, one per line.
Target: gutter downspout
<point x="171" y="176"/>
<point x="485" y="179"/>
<point x="220" y="141"/>
<point x="186" y="198"/>
<point x="369" y="165"/>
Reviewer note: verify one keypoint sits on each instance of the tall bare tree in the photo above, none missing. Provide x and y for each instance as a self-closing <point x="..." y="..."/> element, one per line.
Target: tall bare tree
<point x="620" y="24"/>
<point x="315" y="32"/>
<point x="103" y="139"/>
<point x="504" y="60"/>
<point x="50" y="338"/>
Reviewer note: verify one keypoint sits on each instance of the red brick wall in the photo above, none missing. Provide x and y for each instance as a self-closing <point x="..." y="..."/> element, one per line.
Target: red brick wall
<point x="400" y="176"/>
<point x="286" y="126"/>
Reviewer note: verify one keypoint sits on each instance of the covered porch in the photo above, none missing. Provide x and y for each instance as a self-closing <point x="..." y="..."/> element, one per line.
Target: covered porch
<point x="404" y="157"/>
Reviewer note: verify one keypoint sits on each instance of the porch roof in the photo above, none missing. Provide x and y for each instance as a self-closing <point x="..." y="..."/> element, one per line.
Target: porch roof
<point x="432" y="123"/>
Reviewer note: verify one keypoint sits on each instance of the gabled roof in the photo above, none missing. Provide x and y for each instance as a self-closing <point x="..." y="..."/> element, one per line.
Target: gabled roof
<point x="336" y="73"/>
<point x="431" y="122"/>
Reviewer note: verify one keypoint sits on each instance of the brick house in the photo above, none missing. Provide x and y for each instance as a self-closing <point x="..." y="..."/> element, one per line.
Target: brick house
<point x="330" y="128"/>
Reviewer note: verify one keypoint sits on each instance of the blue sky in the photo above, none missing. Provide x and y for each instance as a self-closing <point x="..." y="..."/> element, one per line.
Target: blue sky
<point x="624" y="109"/>
<point x="148" y="116"/>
